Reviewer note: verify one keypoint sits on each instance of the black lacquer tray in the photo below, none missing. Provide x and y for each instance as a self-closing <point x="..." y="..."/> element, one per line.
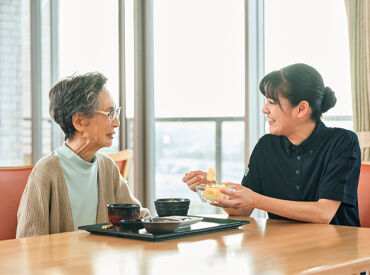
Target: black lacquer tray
<point x="207" y="225"/>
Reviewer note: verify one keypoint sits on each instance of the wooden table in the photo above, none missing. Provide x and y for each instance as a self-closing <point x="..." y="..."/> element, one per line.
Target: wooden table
<point x="261" y="247"/>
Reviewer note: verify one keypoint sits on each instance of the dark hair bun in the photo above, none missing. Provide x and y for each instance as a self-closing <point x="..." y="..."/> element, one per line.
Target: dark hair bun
<point x="328" y="99"/>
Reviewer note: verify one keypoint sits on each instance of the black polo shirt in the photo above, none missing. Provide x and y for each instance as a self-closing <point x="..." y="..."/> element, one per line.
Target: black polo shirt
<point x="325" y="166"/>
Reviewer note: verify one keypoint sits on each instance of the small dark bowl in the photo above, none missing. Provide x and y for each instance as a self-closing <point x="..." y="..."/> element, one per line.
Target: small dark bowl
<point x="172" y="207"/>
<point x="164" y="207"/>
<point x="133" y="225"/>
<point x="160" y="225"/>
<point x="117" y="212"/>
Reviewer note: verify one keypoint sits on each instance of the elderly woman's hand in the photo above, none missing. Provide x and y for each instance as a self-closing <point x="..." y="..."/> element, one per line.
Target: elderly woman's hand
<point x="194" y="178"/>
<point x="242" y="198"/>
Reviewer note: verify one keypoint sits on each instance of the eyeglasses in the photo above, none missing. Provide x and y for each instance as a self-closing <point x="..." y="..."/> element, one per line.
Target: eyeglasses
<point x="112" y="114"/>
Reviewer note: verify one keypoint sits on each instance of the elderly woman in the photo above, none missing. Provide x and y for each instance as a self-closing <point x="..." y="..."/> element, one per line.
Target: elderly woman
<point x="73" y="185"/>
<point x="303" y="170"/>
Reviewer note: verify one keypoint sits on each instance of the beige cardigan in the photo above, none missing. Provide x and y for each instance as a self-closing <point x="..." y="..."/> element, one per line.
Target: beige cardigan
<point x="45" y="207"/>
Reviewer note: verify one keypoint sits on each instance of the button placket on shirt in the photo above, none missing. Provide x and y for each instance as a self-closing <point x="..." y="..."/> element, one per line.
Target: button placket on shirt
<point x="298" y="170"/>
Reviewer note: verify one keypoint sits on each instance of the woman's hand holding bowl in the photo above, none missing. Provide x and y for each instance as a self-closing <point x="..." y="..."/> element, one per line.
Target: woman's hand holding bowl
<point x="243" y="197"/>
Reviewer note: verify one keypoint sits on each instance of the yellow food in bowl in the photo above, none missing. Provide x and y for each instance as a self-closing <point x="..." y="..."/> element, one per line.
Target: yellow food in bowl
<point x="210" y="193"/>
<point x="211" y="174"/>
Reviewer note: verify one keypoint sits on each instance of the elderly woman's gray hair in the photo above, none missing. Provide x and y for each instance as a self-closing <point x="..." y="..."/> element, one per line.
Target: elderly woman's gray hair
<point x="77" y="94"/>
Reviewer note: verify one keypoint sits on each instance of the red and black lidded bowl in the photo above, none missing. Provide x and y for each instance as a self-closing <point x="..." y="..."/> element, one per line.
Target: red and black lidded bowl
<point x="123" y="211"/>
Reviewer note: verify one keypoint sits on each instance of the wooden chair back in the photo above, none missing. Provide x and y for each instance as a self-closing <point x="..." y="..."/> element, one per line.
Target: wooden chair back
<point x="123" y="161"/>
<point x="12" y="183"/>
<point x="363" y="194"/>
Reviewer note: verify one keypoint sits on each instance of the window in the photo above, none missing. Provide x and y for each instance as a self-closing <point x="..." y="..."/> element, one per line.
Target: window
<point x="199" y="91"/>
<point x="129" y="54"/>
<point x="88" y="41"/>
<point x="15" y="83"/>
<point x="20" y="99"/>
<point x="313" y="32"/>
<point x="45" y="77"/>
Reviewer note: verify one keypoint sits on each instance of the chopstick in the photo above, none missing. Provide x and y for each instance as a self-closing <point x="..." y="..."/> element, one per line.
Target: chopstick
<point x="105" y="227"/>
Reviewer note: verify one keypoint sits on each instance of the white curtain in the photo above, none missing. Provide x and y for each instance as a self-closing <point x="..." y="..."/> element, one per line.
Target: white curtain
<point x="358" y="12"/>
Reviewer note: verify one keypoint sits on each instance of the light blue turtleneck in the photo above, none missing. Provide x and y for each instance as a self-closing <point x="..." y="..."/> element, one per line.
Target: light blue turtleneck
<point x="82" y="185"/>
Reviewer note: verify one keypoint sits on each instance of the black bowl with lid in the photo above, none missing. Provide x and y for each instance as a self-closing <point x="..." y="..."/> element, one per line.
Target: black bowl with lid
<point x="172" y="206"/>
